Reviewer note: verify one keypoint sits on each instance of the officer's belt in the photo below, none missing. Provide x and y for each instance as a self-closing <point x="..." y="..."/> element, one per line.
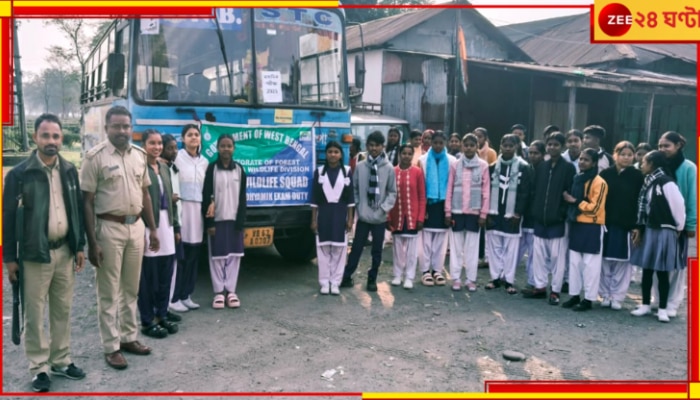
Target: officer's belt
<point x="122" y="219"/>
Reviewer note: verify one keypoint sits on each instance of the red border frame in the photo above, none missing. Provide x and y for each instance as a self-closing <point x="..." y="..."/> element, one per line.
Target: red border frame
<point x="502" y="387"/>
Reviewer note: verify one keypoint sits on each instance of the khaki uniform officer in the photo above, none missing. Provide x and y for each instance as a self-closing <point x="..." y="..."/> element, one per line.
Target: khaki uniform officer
<point x="52" y="241"/>
<point x="115" y="181"/>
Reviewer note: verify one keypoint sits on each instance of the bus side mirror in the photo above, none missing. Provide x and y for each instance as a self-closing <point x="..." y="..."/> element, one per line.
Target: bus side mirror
<point x="359" y="72"/>
<point x="116" y="66"/>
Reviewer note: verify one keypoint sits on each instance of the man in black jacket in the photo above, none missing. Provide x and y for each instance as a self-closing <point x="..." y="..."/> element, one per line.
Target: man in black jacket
<point x="52" y="249"/>
<point x="552" y="178"/>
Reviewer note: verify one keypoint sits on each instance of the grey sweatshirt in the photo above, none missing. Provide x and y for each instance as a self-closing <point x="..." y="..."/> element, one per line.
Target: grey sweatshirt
<point x="387" y="191"/>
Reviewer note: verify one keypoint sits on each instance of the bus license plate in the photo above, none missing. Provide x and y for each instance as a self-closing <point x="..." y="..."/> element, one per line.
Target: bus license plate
<point x="258" y="237"/>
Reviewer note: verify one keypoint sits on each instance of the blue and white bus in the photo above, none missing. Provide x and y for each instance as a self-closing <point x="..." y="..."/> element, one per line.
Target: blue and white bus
<point x="258" y="73"/>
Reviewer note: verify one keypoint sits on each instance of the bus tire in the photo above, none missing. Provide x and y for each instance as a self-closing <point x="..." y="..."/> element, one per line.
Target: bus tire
<point x="300" y="248"/>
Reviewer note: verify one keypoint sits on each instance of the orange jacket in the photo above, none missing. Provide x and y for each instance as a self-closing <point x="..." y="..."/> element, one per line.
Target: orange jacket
<point x="593" y="206"/>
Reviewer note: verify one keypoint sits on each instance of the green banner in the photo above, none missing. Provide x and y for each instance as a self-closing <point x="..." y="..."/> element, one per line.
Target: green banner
<point x="278" y="161"/>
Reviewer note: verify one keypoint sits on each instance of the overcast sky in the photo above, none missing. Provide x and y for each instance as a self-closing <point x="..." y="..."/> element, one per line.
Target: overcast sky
<point x="34" y="37"/>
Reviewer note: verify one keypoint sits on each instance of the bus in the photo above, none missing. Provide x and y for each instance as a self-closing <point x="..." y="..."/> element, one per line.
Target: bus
<point x="275" y="78"/>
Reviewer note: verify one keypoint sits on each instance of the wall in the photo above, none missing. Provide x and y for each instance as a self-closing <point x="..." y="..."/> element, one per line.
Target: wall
<point x="671" y="113"/>
<point x="437" y="36"/>
<point x="373" y="75"/>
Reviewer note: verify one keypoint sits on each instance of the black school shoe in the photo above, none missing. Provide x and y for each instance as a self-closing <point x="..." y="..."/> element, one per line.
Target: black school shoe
<point x="371" y="285"/>
<point x="41" y="382"/>
<point x="584" y="305"/>
<point x="535" y="294"/>
<point x="172" y="317"/>
<point x="554" y="299"/>
<point x="572" y="302"/>
<point x="347" y="283"/>
<point x="155" y="331"/>
<point x="168" y="326"/>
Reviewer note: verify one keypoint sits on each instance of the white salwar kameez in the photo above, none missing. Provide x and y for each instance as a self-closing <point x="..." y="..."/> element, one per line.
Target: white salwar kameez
<point x="464" y="252"/>
<point x="405" y="251"/>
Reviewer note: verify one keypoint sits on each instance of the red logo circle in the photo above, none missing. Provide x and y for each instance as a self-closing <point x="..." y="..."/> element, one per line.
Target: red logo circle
<point x="615" y="19"/>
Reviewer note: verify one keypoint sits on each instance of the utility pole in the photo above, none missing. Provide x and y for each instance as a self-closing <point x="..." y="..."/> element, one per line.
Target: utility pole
<point x="19" y="98"/>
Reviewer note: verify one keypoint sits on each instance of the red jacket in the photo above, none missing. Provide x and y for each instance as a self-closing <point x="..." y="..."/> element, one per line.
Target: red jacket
<point x="410" y="201"/>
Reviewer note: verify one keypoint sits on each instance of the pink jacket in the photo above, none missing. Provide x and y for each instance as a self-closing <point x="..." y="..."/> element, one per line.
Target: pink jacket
<point x="466" y="189"/>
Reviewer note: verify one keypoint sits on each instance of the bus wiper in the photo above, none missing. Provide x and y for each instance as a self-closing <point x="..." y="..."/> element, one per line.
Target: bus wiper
<point x="220" y="34"/>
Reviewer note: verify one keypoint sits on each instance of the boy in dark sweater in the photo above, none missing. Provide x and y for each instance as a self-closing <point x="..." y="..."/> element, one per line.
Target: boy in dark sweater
<point x="552" y="178"/>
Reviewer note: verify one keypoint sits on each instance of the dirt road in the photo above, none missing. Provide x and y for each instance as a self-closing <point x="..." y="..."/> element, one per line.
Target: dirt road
<point x="286" y="335"/>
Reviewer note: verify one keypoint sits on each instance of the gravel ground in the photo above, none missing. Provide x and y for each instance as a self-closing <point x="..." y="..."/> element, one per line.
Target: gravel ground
<point x="429" y="339"/>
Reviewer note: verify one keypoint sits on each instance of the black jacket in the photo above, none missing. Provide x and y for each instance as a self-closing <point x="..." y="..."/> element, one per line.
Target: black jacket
<point x="208" y="191"/>
<point x="623" y="194"/>
<point x="548" y="205"/>
<point x="497" y="222"/>
<point x="31" y="176"/>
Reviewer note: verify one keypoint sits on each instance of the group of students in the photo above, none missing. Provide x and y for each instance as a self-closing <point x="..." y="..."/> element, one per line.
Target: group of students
<point x="583" y="216"/>
<point x="195" y="197"/>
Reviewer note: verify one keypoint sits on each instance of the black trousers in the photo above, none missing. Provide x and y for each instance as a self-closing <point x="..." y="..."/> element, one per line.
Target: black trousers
<point x="154" y="288"/>
<point x="362" y="231"/>
<point x="647" y="280"/>
<point x="186" y="272"/>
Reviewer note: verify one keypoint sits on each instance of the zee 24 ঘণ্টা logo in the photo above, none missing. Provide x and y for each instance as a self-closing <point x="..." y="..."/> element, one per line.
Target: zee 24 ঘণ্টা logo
<point x="616" y="19"/>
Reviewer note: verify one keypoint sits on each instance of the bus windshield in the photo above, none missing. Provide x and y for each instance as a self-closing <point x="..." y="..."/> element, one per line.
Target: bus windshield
<point x="298" y="59"/>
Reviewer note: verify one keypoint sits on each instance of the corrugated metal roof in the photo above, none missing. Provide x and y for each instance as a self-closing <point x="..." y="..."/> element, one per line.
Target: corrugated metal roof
<point x="566" y="41"/>
<point x="378" y="32"/>
<point x="623" y="78"/>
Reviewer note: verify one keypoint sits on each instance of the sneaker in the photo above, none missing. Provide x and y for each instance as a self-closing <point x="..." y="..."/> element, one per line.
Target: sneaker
<point x="70" y="372"/>
<point x="371" y="285"/>
<point x="190" y="304"/>
<point x="644" y="309"/>
<point x="347" y="283"/>
<point x="584" y="305"/>
<point x="41" y="382"/>
<point x="396" y="281"/>
<point x="408" y="284"/>
<point x="573" y="301"/>
<point x="456" y="285"/>
<point x="672" y="312"/>
<point x="471" y="286"/>
<point x="325" y="288"/>
<point x="178" y="307"/>
<point x="663" y="315"/>
<point x="554" y="299"/>
<point x="615" y="305"/>
<point x="606" y="302"/>
<point x="334" y="289"/>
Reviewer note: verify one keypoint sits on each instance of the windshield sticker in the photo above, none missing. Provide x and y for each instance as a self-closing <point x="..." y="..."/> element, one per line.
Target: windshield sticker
<point x="271" y="86"/>
<point x="318" y="19"/>
<point x="150" y="26"/>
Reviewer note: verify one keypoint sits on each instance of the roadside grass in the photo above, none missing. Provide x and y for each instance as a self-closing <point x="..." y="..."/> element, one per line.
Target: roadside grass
<point x="72" y="155"/>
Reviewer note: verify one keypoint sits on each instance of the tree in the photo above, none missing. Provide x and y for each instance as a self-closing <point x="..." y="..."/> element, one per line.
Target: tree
<point x="102" y="28"/>
<point x="53" y="90"/>
<point x="72" y="58"/>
